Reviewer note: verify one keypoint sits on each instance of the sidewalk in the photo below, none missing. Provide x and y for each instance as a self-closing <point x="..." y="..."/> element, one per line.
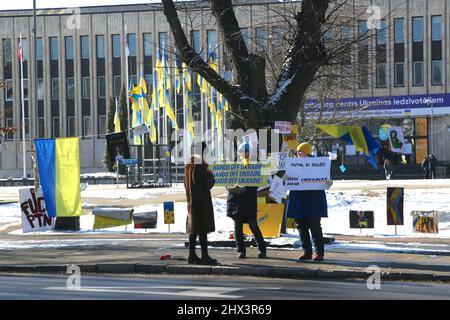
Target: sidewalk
<point x="140" y="253"/>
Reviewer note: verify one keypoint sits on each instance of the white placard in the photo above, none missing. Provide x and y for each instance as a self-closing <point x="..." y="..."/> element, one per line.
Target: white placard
<point x="283" y="127"/>
<point x="332" y="155"/>
<point x="307" y="173"/>
<point x="33" y="212"/>
<point x="140" y="130"/>
<point x="396" y="139"/>
<point x="277" y="189"/>
<point x="278" y="160"/>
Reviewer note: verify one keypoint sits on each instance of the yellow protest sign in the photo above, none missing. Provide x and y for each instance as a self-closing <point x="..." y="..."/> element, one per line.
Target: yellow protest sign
<point x="270" y="218"/>
<point x="291" y="139"/>
<point x="169" y="213"/>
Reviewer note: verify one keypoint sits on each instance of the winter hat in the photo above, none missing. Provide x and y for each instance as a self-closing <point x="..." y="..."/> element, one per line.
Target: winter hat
<point x="305" y="147"/>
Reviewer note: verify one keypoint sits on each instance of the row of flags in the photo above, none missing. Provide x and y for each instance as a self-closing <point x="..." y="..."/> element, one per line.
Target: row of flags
<point x="145" y="114"/>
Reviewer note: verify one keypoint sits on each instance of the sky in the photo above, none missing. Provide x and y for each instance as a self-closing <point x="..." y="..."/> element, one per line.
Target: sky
<point x="28" y="4"/>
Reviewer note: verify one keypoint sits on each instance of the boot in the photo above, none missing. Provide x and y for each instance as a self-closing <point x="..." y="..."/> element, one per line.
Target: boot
<point x="305" y="256"/>
<point x="318" y="257"/>
<point x="194" y="259"/>
<point x="242" y="255"/>
<point x="262" y="255"/>
<point x="208" y="261"/>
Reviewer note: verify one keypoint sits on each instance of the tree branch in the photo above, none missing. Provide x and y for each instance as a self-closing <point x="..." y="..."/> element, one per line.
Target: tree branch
<point x="194" y="61"/>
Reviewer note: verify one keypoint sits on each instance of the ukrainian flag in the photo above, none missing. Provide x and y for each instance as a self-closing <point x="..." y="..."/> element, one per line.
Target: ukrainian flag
<point x="59" y="170"/>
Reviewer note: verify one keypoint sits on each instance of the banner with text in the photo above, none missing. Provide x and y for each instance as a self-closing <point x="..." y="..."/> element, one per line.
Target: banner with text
<point x="307" y="173"/>
<point x="33" y="212"/>
<point x="244" y="175"/>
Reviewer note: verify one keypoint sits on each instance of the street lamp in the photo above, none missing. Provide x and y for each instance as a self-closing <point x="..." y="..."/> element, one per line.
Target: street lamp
<point x="429" y="102"/>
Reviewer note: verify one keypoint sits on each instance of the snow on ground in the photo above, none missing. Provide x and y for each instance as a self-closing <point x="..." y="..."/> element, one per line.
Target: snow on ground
<point x="340" y="202"/>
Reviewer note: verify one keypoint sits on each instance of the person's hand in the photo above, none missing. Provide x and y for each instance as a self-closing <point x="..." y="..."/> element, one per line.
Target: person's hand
<point x="286" y="177"/>
<point x="235" y="190"/>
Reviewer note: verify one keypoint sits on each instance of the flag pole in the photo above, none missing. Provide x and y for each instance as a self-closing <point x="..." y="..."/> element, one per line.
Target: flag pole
<point x="176" y="119"/>
<point x="183" y="88"/>
<point x="23" y="107"/>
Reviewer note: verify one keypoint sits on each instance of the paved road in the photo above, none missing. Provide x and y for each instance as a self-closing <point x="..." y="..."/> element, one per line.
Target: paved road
<point x="17" y="287"/>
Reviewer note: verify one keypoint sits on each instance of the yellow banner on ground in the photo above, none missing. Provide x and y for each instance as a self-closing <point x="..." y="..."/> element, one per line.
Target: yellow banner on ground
<point x="270" y="218"/>
<point x="101" y="222"/>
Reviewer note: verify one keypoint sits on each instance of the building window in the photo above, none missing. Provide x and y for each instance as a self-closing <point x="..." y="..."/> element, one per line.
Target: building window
<point x="86" y="126"/>
<point x="85" y="47"/>
<point x="436" y="22"/>
<point x="399" y="74"/>
<point x="418" y="73"/>
<point x="71" y="126"/>
<point x="133" y="80"/>
<point x="40" y="89"/>
<point x="260" y="39"/>
<point x="54" y="48"/>
<point x="25" y="89"/>
<point x="101" y="87"/>
<point x="27" y="129"/>
<point x="117" y="86"/>
<point x="381" y="33"/>
<point x="436" y="72"/>
<point x="381" y="75"/>
<point x="148" y="81"/>
<point x="25" y="49"/>
<point x="70" y="89"/>
<point x="86" y="87"/>
<point x="116" y="45"/>
<point x="55" y="88"/>
<point x="9" y="123"/>
<point x="69" y="48"/>
<point x="163" y="41"/>
<point x="39" y="49"/>
<point x="195" y="41"/>
<point x="148" y="45"/>
<point x="399" y="30"/>
<point x="212" y="42"/>
<point x="244" y="32"/>
<point x="363" y="76"/>
<point x="9" y="90"/>
<point x="417" y="29"/>
<point x="100" y="47"/>
<point x="41" y="127"/>
<point x="101" y="125"/>
<point x="55" y="127"/>
<point x="131" y="40"/>
<point x="7" y="50"/>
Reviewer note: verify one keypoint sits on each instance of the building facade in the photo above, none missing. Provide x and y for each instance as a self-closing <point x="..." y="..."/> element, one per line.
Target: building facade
<point x="81" y="65"/>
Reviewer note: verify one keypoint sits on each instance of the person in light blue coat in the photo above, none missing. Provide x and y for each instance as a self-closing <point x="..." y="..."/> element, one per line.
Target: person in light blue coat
<point x="307" y="207"/>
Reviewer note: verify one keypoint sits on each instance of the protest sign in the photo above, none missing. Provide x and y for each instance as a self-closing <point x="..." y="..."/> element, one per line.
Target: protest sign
<point x="278" y="161"/>
<point x="361" y="219"/>
<point x="425" y="221"/>
<point x="145" y="220"/>
<point x="307" y="173"/>
<point x="283" y="127"/>
<point x="277" y="189"/>
<point x="118" y="146"/>
<point x="395" y="199"/>
<point x="291" y="139"/>
<point x="141" y="130"/>
<point x="111" y="217"/>
<point x="244" y="175"/>
<point x="169" y="213"/>
<point x="396" y="139"/>
<point x="33" y="212"/>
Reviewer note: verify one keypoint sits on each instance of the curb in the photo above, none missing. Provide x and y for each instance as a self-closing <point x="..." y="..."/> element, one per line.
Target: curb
<point x="265" y="272"/>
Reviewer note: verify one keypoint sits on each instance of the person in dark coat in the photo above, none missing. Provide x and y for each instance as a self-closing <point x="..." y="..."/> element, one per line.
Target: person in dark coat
<point x="432" y="162"/>
<point x="198" y="182"/>
<point x="388" y="169"/>
<point x="307" y="207"/>
<point x="426" y="167"/>
<point x="242" y="208"/>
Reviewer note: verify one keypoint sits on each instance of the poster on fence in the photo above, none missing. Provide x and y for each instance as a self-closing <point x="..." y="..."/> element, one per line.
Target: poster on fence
<point x="283" y="127"/>
<point x="395" y="197"/>
<point x="307" y="173"/>
<point x="118" y="146"/>
<point x="33" y="212"/>
<point x="425" y="221"/>
<point x="244" y="175"/>
<point x="361" y="219"/>
<point x="269" y="218"/>
<point x="396" y="139"/>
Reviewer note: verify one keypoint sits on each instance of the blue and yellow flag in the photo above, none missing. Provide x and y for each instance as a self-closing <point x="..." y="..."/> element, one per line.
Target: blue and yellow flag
<point x="117" y="127"/>
<point x="59" y="171"/>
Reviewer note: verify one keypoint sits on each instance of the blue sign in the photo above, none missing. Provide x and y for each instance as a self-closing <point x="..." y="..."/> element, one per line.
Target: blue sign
<point x="384" y="106"/>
